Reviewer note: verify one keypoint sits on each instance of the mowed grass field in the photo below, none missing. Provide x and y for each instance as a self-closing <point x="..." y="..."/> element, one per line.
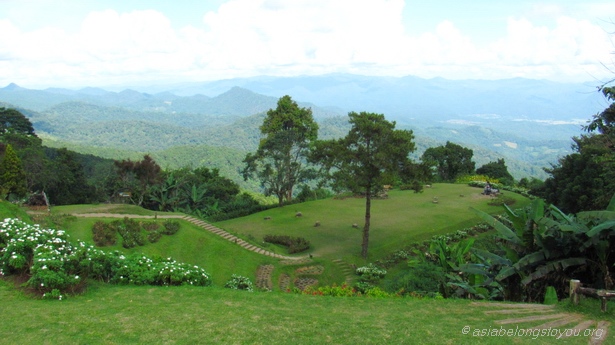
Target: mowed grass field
<point x="188" y="315"/>
<point x="403" y="218"/>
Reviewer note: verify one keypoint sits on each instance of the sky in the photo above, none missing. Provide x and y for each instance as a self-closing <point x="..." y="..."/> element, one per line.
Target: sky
<point x="79" y="43"/>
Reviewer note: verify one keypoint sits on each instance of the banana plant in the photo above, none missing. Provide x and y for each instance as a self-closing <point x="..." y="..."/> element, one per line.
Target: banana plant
<point x="600" y="240"/>
<point x="165" y="193"/>
<point x="535" y="245"/>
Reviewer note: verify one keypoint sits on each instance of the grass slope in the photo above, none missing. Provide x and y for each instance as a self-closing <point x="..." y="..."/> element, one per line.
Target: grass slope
<point x="405" y="217"/>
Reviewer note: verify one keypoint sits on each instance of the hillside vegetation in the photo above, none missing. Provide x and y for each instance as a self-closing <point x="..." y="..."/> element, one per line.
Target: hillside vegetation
<point x="95" y="120"/>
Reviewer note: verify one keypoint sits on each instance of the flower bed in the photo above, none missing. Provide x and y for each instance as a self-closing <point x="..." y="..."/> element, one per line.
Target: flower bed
<point x="54" y="266"/>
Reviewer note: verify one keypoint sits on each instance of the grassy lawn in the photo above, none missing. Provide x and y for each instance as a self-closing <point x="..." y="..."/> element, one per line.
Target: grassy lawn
<point x="403" y="218"/>
<point x="111" y="314"/>
<point x="189" y="315"/>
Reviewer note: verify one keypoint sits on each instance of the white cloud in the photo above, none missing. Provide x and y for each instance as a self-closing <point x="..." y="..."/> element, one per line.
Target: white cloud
<point x="275" y="37"/>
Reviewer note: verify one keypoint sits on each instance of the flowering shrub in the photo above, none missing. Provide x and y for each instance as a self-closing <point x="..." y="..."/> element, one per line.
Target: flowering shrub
<point x="371" y="273"/>
<point x="56" y="266"/>
<point x="238" y="282"/>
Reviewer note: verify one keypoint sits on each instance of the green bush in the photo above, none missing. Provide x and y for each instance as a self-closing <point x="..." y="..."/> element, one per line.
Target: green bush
<point x="154" y="233"/>
<point x="154" y="236"/>
<point x="238" y="282"/>
<point x="171" y="227"/>
<point x="294" y="244"/>
<point x="150" y="226"/>
<point x="103" y="234"/>
<point x="423" y="278"/>
<point x="131" y="233"/>
<point x="415" y="185"/>
<point x="501" y="201"/>
<point x="307" y="194"/>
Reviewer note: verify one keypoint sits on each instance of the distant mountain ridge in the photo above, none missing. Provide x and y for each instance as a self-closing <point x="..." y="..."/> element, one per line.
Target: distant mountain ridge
<point x="234" y="102"/>
<point x="528" y="122"/>
<point x="406" y="98"/>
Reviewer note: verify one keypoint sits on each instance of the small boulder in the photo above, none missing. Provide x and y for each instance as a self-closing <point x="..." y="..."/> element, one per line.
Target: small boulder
<point x="317" y="224"/>
<point x="355" y="225"/>
<point x="298" y="214"/>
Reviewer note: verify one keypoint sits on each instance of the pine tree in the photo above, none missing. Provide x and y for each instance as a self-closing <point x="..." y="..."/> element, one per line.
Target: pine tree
<point x="12" y="175"/>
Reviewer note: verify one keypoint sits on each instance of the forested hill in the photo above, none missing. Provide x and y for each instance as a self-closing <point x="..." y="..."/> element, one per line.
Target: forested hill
<point x="92" y="119"/>
<point x="234" y="102"/>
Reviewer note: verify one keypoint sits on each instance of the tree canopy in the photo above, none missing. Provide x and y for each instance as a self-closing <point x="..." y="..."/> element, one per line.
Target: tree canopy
<point x="366" y="159"/>
<point x="497" y="170"/>
<point x="12" y="175"/>
<point x="585" y="179"/>
<point x="279" y="162"/>
<point x="449" y="161"/>
<point x="11" y="120"/>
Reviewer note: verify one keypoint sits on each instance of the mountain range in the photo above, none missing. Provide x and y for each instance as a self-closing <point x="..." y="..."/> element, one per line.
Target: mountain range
<point x="528" y="122"/>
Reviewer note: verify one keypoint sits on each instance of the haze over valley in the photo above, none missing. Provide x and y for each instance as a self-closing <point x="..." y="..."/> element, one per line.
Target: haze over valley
<point x="528" y="122"/>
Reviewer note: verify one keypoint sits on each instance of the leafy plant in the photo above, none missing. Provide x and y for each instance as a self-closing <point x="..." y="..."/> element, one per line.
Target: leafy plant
<point x="294" y="244"/>
<point x="171" y="227"/>
<point x="238" y="282"/>
<point x="423" y="277"/>
<point x="370" y="273"/>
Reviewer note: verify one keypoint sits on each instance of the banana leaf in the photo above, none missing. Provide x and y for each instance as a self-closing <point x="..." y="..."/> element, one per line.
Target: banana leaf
<point x="504" y="231"/>
<point x="552" y="266"/>
<point x="598" y="228"/>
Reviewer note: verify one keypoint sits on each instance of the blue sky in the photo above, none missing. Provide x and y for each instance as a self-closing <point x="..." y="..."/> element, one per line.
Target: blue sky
<point x="76" y="43"/>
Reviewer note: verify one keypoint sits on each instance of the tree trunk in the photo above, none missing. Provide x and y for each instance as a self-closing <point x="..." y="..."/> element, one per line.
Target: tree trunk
<point x="368" y="206"/>
<point x="289" y="195"/>
<point x="280" y="199"/>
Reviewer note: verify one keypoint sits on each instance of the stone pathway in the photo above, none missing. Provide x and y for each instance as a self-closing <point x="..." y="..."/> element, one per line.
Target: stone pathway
<point x="349" y="271"/>
<point x="204" y="225"/>
<point x="570" y="324"/>
<point x="263" y="277"/>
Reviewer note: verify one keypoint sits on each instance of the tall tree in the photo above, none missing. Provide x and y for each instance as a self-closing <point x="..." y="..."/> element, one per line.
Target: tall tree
<point x="449" y="161"/>
<point x="138" y="177"/>
<point x="497" y="170"/>
<point x="68" y="183"/>
<point x="585" y="179"/>
<point x="368" y="157"/>
<point x="12" y="175"/>
<point x="12" y="120"/>
<point x="279" y="163"/>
